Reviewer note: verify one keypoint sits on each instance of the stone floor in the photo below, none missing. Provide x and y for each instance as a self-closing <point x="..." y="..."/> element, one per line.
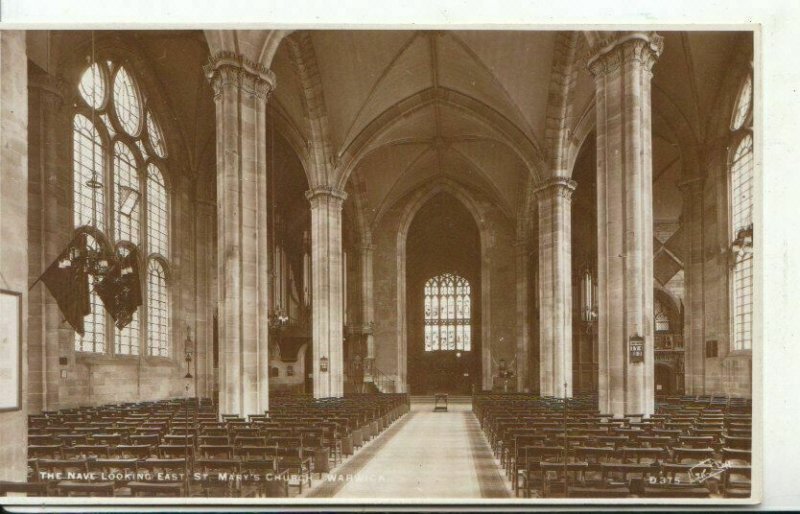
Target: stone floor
<point x="426" y="455"/>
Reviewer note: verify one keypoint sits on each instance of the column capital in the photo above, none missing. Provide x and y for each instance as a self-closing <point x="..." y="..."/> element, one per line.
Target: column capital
<point x="561" y="186"/>
<point x="610" y="53"/>
<point x="231" y="70"/>
<point x="328" y="194"/>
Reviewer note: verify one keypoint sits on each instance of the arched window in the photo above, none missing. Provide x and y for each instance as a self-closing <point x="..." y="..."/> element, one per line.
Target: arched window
<point x="741" y="217"/>
<point x="157" y="309"/>
<point x="448" y="316"/>
<point x="660" y="315"/>
<point x="119" y="154"/>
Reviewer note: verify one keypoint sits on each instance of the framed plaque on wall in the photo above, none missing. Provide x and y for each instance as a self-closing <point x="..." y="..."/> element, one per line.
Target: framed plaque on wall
<point x="10" y="350"/>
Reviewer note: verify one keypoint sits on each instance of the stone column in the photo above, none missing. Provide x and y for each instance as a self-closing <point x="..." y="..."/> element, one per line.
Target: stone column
<point x="555" y="286"/>
<point x="694" y="308"/>
<point x="622" y="70"/>
<point x="368" y="305"/>
<point x="241" y="89"/>
<point x="326" y="293"/>
<point x="49" y="231"/>
<point x="523" y="339"/>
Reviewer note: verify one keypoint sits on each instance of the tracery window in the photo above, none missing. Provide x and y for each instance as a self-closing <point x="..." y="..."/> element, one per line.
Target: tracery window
<point x="448" y="320"/>
<point x="741" y="218"/>
<point x="119" y="154"/>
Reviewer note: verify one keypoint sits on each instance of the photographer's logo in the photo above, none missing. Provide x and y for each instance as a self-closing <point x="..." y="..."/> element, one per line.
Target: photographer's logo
<point x="706" y="469"/>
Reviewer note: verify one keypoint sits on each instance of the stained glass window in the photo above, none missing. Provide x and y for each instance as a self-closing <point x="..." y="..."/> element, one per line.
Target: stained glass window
<point x="741" y="220"/>
<point x="742" y="186"/>
<point x="743" y="104"/>
<point x="126" y="102"/>
<point x="94" y="323"/>
<point x="157" y="310"/>
<point x="448" y="317"/>
<point x="118" y="183"/>
<point x="93" y="86"/>
<point x="126" y="195"/>
<point x="157" y="224"/>
<point x="743" y="303"/>
<point x="127" y="339"/>
<point x="87" y="169"/>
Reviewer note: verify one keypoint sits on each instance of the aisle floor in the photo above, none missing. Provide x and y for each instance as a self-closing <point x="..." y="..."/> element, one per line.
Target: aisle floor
<point x="424" y="455"/>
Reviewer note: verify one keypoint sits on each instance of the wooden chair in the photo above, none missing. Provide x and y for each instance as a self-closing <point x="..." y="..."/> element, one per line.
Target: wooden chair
<point x="44" y="451"/>
<point x="691" y="454"/>
<point x="129" y="451"/>
<point x="220" y="477"/>
<point x="272" y="483"/>
<point x="76" y="488"/>
<point x="215" y="451"/>
<point x="636" y="454"/>
<point x="24" y="488"/>
<point x="156" y="489"/>
<point x="175" y="451"/>
<point x="735" y="456"/>
<point x="736" y="482"/>
<point x="554" y="473"/>
<point x="631" y="475"/>
<point x="531" y="475"/>
<point x="294" y="460"/>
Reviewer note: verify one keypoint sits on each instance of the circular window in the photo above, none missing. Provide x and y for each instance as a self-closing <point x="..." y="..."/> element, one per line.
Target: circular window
<point x="126" y="102"/>
<point x="93" y="86"/>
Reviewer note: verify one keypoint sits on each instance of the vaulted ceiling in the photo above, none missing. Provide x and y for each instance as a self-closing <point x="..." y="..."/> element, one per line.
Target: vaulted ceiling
<point x="368" y="77"/>
<point x="418" y="105"/>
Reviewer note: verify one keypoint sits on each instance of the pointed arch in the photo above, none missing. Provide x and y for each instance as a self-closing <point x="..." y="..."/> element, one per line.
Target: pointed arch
<point x="414" y="203"/>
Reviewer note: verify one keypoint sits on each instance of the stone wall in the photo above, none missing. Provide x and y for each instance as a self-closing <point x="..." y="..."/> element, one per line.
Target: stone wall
<point x="13" y="219"/>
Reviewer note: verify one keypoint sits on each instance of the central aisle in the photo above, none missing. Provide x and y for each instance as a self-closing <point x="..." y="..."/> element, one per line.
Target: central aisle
<point x="428" y="455"/>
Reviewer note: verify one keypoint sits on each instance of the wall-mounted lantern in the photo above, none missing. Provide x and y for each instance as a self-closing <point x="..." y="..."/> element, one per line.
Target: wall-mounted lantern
<point x="323" y="364"/>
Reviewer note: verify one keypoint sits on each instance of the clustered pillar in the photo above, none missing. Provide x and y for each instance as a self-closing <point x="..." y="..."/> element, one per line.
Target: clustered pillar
<point x="555" y="287"/>
<point x="695" y="306"/>
<point x="241" y="89"/>
<point x="622" y="69"/>
<point x="326" y="291"/>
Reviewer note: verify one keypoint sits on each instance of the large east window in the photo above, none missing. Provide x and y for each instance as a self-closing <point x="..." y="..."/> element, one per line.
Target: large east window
<point x="741" y="218"/>
<point x="119" y="192"/>
<point x="448" y="322"/>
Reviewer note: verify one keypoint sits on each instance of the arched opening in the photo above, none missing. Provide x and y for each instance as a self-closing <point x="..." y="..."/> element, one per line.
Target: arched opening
<point x="584" y="259"/>
<point x="443" y="267"/>
<point x="290" y="286"/>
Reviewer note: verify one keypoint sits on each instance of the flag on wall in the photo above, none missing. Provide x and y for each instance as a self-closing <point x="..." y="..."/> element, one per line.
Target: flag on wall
<point x="68" y="282"/>
<point x="120" y="289"/>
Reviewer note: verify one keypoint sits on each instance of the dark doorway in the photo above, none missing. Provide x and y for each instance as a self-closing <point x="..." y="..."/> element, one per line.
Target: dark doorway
<point x="443" y="241"/>
<point x="663" y="380"/>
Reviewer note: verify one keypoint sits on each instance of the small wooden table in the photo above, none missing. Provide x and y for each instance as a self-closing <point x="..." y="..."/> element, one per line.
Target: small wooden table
<point x="440" y="402"/>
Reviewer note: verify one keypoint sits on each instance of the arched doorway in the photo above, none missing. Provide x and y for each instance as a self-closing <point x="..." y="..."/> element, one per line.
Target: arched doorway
<point x="442" y="298"/>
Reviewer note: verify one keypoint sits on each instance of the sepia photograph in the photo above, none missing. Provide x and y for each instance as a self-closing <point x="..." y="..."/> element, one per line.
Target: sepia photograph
<point x="309" y="266"/>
